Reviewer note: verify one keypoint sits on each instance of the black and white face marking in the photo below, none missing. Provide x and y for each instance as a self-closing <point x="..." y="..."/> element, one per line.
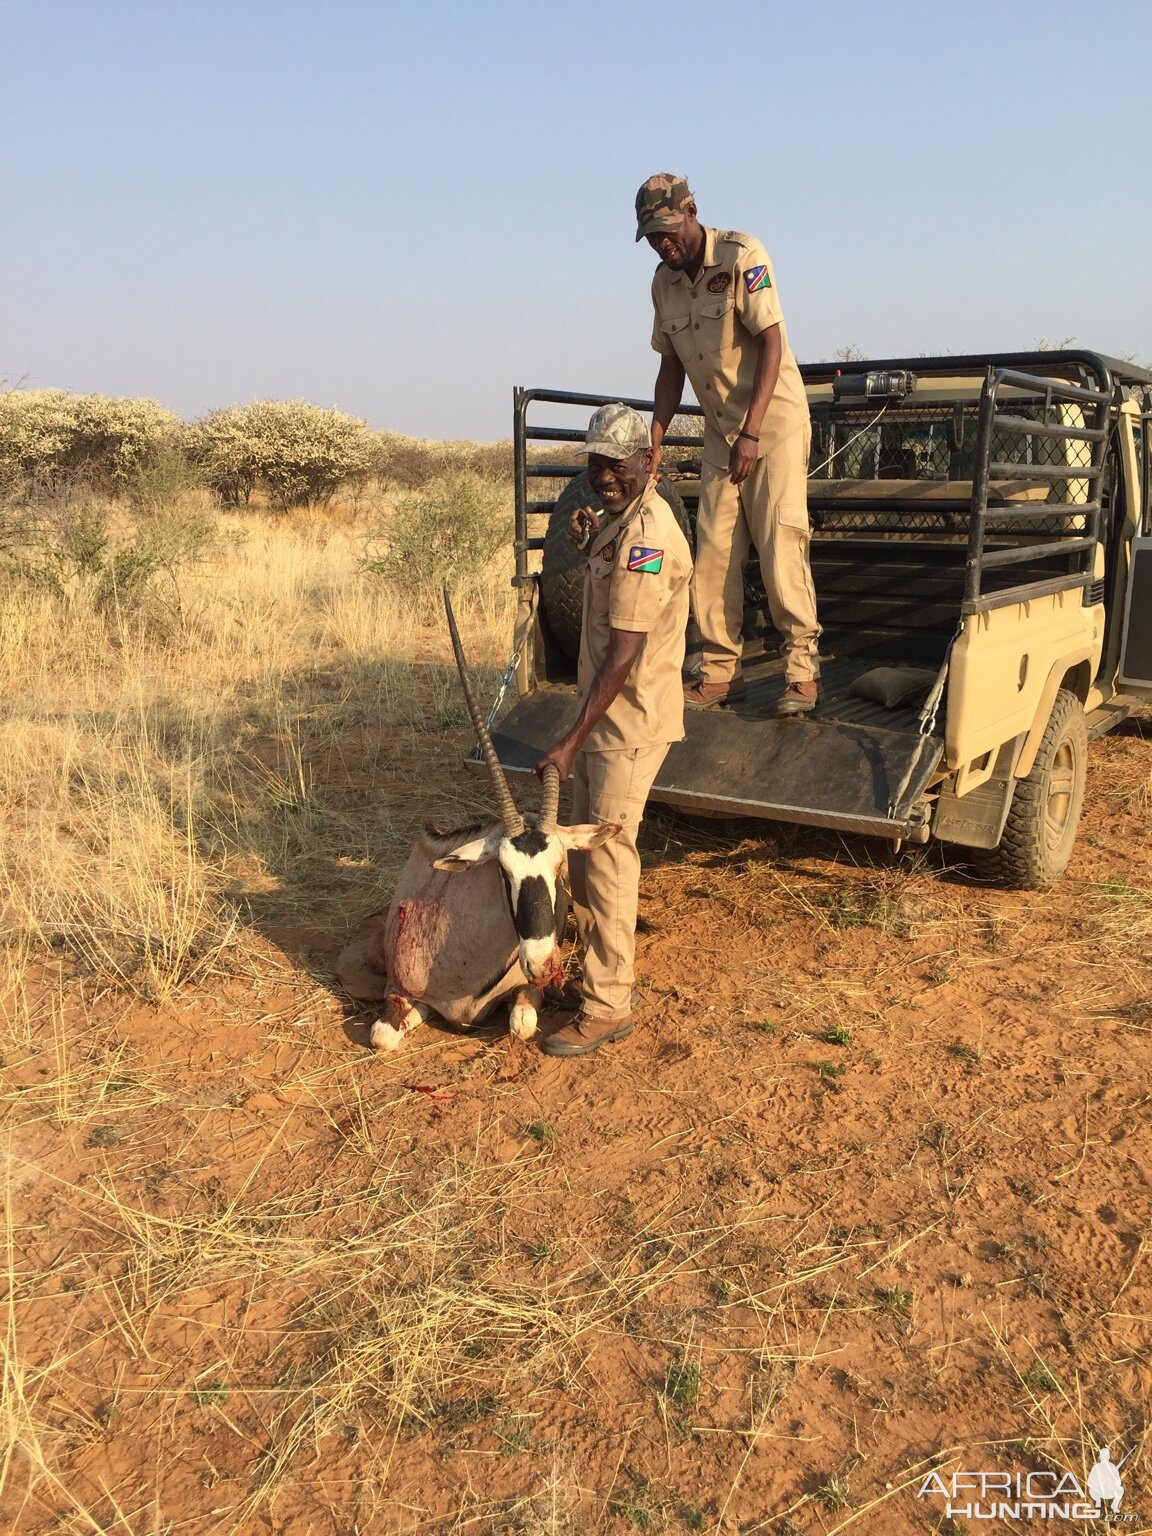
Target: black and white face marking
<point x="530" y="841"/>
<point x="531" y="864"/>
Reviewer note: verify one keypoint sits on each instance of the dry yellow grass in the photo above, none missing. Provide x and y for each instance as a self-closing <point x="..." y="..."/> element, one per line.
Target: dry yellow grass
<point x="153" y="765"/>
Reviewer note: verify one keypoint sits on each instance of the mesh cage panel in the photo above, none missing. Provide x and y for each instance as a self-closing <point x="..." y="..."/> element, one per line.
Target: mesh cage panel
<point x="926" y="448"/>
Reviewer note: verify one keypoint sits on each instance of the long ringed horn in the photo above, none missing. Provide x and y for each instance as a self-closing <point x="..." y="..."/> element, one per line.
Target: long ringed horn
<point x="509" y="814"/>
<point x="550" y="799"/>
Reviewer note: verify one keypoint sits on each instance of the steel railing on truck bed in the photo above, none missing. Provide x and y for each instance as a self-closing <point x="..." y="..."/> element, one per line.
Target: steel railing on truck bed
<point x="1075" y="480"/>
<point x="1041" y="428"/>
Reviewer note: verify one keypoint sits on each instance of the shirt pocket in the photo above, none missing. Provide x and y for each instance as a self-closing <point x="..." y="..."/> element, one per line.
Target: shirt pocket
<point x="600" y="572"/>
<point x="676" y="328"/>
<point x="716" y="324"/>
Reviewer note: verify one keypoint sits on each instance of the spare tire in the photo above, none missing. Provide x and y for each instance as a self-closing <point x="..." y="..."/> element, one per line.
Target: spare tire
<point x="562" y="571"/>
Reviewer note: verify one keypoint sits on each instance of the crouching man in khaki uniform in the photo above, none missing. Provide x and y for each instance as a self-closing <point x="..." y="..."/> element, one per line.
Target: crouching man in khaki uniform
<point x="631" y="655"/>
<point x="718" y="321"/>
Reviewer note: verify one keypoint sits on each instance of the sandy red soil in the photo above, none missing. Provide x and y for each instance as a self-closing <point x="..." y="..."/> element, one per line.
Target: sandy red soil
<point x="866" y="1195"/>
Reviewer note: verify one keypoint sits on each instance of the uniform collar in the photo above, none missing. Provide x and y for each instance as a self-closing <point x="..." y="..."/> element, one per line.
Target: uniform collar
<point x="614" y="526"/>
<point x="710" y="259"/>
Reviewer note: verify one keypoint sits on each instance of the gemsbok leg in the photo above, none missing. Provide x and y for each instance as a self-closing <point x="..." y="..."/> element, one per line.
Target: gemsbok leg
<point x="401" y="1017"/>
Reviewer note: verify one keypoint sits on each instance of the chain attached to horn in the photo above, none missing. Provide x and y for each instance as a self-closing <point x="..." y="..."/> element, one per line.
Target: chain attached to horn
<point x="509" y="813"/>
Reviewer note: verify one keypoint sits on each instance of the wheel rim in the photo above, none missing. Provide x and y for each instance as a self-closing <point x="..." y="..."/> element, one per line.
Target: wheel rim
<point x="1060" y="808"/>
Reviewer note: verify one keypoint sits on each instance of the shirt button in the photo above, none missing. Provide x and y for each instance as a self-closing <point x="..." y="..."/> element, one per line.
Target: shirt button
<point x="696" y="325"/>
<point x="707" y="386"/>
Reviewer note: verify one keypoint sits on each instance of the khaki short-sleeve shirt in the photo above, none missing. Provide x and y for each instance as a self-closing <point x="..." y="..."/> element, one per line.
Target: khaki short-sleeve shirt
<point x="639" y="569"/>
<point x="711" y="325"/>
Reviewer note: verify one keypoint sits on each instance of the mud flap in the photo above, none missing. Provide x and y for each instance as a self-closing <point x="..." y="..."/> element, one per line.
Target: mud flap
<point x="976" y="820"/>
<point x="821" y="773"/>
<point x="1136" y="645"/>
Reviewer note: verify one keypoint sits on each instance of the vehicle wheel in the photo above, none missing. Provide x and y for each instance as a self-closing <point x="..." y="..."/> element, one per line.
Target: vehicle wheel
<point x="1036" y="845"/>
<point x="562" y="571"/>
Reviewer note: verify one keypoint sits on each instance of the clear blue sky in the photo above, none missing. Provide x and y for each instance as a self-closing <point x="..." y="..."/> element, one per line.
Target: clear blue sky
<point x="405" y="209"/>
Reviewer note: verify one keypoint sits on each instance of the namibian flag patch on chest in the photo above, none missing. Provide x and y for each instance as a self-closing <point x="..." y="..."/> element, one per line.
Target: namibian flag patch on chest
<point x="647" y="560"/>
<point x="756" y="278"/>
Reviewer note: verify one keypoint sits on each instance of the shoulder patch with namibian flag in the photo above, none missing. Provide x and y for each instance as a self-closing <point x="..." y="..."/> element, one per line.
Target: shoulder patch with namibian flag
<point x="756" y="278"/>
<point x="649" y="561"/>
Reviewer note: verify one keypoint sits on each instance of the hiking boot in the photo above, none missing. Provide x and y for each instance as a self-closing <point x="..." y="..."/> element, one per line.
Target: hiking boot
<point x="704" y="695"/>
<point x="798" y="698"/>
<point x="585" y="1035"/>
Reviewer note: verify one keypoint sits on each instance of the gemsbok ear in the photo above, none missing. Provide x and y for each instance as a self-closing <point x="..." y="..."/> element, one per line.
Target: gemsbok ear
<point x="478" y="851"/>
<point x="590" y="835"/>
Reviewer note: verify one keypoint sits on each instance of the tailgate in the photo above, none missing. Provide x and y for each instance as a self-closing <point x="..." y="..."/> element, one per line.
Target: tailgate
<point x="821" y="771"/>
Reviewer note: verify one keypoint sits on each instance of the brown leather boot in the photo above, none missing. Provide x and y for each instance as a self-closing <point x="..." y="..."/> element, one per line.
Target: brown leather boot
<point x="798" y="698"/>
<point x="585" y="1035"/>
<point x="704" y="695"/>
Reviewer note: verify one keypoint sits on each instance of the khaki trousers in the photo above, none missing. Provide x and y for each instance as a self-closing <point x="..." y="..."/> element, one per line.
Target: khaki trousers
<point x="770" y="510"/>
<point x="605" y="881"/>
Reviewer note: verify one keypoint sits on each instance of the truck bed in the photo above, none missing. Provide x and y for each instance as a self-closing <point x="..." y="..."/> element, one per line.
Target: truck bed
<point x="851" y="764"/>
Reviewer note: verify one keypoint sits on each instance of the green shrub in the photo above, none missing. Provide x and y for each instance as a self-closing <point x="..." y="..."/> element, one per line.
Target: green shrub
<point x="448" y="532"/>
<point x="124" y="584"/>
<point x="48" y="436"/>
<point x="165" y="480"/>
<point x="68" y="542"/>
<point x="65" y="539"/>
<point x="300" y="453"/>
<point x="138" y="579"/>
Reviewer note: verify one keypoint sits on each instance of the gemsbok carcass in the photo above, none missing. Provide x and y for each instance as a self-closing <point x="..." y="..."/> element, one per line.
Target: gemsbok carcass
<point x="478" y="914"/>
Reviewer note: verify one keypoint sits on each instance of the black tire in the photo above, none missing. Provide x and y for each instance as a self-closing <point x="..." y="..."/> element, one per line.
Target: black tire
<point x="562" y="571"/>
<point x="1036" y="844"/>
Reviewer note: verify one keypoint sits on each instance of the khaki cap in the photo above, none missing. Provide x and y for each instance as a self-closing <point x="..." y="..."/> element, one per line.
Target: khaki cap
<point x="660" y="203"/>
<point x="616" y="432"/>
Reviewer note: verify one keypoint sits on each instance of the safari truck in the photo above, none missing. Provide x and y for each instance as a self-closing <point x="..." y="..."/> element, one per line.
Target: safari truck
<point x="982" y="555"/>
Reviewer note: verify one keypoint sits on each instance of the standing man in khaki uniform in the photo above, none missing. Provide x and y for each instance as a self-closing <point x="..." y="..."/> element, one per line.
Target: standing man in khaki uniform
<point x="631" y="655"/>
<point x="718" y="322"/>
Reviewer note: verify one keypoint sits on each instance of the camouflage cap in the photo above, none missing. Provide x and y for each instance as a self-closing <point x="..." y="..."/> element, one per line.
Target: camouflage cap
<point x="617" y="432"/>
<point x="660" y="203"/>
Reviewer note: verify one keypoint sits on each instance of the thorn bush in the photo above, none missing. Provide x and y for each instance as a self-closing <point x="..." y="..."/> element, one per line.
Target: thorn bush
<point x="300" y="453"/>
<point x="50" y="435"/>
